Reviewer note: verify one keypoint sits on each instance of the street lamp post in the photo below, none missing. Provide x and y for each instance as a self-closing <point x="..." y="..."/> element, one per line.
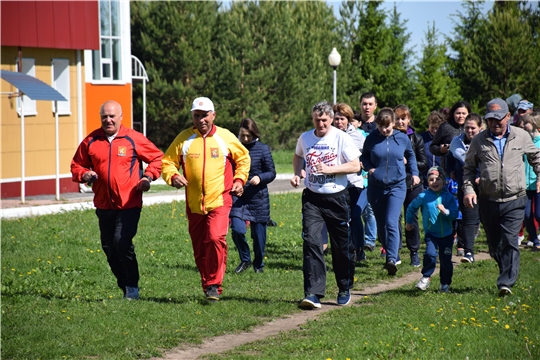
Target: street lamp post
<point x="334" y="59"/>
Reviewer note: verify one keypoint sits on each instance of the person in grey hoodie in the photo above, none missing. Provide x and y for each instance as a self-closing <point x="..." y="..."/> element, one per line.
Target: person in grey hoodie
<point x="385" y="150"/>
<point x="343" y="115"/>
<point x="498" y="154"/>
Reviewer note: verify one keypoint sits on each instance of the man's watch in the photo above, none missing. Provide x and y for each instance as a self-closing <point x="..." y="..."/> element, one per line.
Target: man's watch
<point x="147" y="177"/>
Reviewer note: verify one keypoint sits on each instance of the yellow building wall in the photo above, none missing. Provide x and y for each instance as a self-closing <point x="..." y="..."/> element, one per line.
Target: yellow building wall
<point x="40" y="129"/>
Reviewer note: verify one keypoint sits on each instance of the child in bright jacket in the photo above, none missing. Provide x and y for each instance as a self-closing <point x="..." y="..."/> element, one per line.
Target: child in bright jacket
<point x="439" y="209"/>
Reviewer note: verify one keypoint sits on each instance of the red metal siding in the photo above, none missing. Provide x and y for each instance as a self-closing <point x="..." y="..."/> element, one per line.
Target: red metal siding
<point x="60" y="24"/>
<point x="46" y="33"/>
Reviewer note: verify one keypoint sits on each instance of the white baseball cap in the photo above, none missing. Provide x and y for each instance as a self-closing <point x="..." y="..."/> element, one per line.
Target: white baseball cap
<point x="202" y="103"/>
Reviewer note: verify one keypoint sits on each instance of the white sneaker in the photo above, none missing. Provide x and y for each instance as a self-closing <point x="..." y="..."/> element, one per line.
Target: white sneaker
<point x="520" y="238"/>
<point x="530" y="244"/>
<point x="423" y="284"/>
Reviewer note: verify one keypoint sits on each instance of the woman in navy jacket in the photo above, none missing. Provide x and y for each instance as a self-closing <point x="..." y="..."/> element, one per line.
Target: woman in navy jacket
<point x="404" y="124"/>
<point x="254" y="205"/>
<point x="383" y="158"/>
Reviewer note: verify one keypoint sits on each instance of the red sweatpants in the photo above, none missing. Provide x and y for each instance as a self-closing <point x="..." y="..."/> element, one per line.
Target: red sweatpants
<point x="209" y="240"/>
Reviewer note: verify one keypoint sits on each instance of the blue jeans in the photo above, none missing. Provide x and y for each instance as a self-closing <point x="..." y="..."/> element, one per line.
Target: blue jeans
<point x="533" y="200"/>
<point x="258" y="234"/>
<point x="387" y="203"/>
<point x="441" y="247"/>
<point x="370" y="225"/>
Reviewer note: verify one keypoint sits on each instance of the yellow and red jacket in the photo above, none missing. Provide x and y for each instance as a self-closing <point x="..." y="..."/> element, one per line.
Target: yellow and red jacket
<point x="118" y="166"/>
<point x="210" y="164"/>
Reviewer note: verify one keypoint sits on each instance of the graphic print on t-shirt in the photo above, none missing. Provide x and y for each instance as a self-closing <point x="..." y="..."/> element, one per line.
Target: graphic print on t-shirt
<point x="320" y="153"/>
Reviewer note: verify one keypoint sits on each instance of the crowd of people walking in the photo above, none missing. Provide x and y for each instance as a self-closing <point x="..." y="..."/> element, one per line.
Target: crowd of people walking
<point x="367" y="176"/>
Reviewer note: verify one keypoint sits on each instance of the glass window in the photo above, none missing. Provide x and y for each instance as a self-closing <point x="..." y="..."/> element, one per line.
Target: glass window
<point x="60" y="70"/>
<point x="28" y="68"/>
<point x="106" y="63"/>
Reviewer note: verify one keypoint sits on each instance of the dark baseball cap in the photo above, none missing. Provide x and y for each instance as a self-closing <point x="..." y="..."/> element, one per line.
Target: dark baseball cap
<point x="496" y="109"/>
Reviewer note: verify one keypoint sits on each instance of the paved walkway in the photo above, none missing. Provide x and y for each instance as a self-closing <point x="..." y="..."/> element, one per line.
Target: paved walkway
<point x="47" y="204"/>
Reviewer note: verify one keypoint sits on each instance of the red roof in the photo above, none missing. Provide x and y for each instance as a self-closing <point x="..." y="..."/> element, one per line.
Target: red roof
<point x="50" y="24"/>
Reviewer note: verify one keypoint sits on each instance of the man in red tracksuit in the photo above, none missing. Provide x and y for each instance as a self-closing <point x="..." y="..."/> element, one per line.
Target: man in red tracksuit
<point x="111" y="159"/>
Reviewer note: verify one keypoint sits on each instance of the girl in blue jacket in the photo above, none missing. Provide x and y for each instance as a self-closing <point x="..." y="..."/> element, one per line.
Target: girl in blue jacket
<point x="439" y="209"/>
<point x="386" y="151"/>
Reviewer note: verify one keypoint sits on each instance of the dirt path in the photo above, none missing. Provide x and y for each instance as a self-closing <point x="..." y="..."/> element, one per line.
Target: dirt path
<point x="230" y="341"/>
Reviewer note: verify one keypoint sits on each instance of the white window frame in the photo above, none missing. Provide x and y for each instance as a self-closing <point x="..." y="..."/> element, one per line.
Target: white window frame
<point x="28" y="68"/>
<point x="61" y="82"/>
<point x="110" y="43"/>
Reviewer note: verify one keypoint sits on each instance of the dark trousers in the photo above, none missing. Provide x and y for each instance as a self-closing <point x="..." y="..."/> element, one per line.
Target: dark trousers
<point x="412" y="237"/>
<point x="466" y="230"/>
<point x="441" y="247"/>
<point x="334" y="211"/>
<point x="502" y="223"/>
<point x="258" y="235"/>
<point x="118" y="228"/>
<point x="357" y="226"/>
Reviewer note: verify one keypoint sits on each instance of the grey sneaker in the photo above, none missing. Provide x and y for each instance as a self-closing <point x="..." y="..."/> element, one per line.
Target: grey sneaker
<point x="132" y="293"/>
<point x="460" y="252"/>
<point x="444" y="288"/>
<point x="423" y="284"/>
<point x="212" y="294"/>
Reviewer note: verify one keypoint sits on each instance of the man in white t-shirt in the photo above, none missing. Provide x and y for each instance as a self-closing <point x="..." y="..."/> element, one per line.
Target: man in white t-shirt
<point x="329" y="155"/>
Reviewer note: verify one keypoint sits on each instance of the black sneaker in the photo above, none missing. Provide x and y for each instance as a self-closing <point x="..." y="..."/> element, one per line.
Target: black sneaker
<point x="271" y="223"/>
<point x="259" y="270"/>
<point x="391" y="268"/>
<point x="212" y="294"/>
<point x="368" y="247"/>
<point x="244" y="265"/>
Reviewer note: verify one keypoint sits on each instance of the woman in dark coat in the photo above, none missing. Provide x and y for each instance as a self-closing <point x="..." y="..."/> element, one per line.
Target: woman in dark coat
<point x="254" y="204"/>
<point x="404" y="123"/>
<point x="448" y="130"/>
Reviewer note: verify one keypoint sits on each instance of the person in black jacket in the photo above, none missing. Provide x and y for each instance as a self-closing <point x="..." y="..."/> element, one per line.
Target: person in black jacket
<point x="448" y="130"/>
<point x="254" y="205"/>
<point x="404" y="124"/>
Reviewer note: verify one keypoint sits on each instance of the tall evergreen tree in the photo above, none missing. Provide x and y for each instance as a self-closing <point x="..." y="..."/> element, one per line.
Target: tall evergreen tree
<point x="434" y="87"/>
<point x="174" y="42"/>
<point x="499" y="58"/>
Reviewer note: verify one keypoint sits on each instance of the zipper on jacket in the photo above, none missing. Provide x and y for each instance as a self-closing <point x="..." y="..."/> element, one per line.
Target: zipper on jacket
<point x="203" y="176"/>
<point x="387" y="155"/>
<point x="109" y="172"/>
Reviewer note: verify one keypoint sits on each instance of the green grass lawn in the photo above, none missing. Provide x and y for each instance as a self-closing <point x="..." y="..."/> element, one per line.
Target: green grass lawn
<point x="60" y="300"/>
<point x="283" y="161"/>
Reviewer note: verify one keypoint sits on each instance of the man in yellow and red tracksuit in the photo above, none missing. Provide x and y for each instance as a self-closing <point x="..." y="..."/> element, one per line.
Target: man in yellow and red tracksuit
<point x="214" y="165"/>
<point x="110" y="158"/>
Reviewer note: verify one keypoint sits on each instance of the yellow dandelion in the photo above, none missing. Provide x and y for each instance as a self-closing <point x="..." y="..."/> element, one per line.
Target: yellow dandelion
<point x="432" y="325"/>
<point x="473" y="319"/>
<point x="69" y="318"/>
<point x="12" y="269"/>
<point x="424" y="339"/>
<point x="458" y="344"/>
<point x="49" y="262"/>
<point x="415" y="329"/>
<point x="442" y="349"/>
<point x="507" y="326"/>
<point x="495" y="321"/>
